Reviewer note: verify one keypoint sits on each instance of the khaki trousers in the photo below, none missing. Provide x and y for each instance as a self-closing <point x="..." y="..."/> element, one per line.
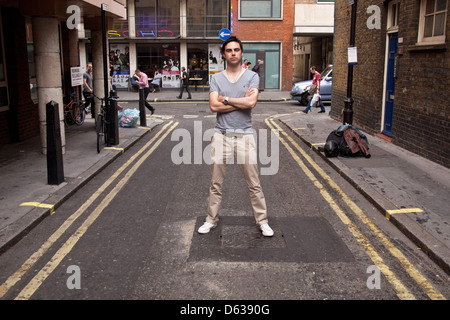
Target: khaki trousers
<point x="240" y="149"/>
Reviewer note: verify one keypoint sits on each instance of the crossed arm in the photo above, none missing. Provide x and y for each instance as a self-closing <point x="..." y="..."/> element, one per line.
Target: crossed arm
<point x="247" y="102"/>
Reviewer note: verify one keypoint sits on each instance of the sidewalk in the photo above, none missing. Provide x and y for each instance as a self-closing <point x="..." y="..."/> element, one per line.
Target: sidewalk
<point x="391" y="179"/>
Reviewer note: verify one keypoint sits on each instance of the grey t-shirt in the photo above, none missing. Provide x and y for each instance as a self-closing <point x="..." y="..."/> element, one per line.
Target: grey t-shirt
<point x="88" y="78"/>
<point x="237" y="120"/>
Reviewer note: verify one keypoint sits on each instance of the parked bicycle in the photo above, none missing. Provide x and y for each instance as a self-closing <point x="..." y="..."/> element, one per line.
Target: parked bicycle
<point x="101" y="124"/>
<point x="74" y="111"/>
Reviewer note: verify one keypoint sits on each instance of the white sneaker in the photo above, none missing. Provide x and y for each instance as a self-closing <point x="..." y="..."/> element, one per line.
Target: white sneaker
<point x="266" y="230"/>
<point x="206" y="227"/>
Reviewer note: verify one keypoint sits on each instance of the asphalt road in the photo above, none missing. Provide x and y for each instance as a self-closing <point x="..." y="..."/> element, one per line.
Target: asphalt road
<point x="130" y="233"/>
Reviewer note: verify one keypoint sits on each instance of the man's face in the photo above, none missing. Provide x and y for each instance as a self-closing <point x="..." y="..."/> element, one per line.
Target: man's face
<point x="233" y="53"/>
<point x="89" y="67"/>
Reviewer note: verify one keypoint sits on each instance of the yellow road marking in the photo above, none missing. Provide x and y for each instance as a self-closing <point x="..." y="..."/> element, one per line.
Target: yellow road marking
<point x="404" y="210"/>
<point x="36" y="282"/>
<point x="16" y="276"/>
<point x="410" y="269"/>
<point x="115" y="148"/>
<point x="39" y="205"/>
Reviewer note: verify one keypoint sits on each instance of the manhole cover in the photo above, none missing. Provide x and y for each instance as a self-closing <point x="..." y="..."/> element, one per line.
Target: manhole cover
<point x="241" y="236"/>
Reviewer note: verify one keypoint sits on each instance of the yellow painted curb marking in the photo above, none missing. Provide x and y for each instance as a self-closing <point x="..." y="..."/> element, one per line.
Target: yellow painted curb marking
<point x="39" y="205"/>
<point x="16" y="276"/>
<point x="402" y="292"/>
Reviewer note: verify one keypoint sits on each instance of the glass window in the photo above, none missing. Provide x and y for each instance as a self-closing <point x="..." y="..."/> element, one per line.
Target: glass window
<point x="31" y="61"/>
<point x="433" y="15"/>
<point x="205" y="18"/>
<point x="198" y="60"/>
<point x="269" y="53"/>
<point x="4" y="100"/>
<point x="157" y="18"/>
<point x="260" y="9"/>
<point x="163" y="57"/>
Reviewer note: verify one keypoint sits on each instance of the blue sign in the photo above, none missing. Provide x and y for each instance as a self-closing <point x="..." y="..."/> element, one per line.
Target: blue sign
<point x="224" y="34"/>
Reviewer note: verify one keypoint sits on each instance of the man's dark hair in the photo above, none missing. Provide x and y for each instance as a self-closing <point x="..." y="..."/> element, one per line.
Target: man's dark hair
<point x="231" y="39"/>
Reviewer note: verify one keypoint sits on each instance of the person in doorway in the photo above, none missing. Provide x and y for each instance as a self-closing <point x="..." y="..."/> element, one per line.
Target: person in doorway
<point x="314" y="88"/>
<point x="184" y="84"/>
<point x="257" y="67"/>
<point x="143" y="85"/>
<point x="233" y="95"/>
<point x="88" y="90"/>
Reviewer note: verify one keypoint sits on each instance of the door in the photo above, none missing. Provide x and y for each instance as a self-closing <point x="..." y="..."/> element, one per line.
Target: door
<point x="390" y="84"/>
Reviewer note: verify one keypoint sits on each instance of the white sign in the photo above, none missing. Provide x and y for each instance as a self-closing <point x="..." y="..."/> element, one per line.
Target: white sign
<point x="352" y="56"/>
<point x="76" y="75"/>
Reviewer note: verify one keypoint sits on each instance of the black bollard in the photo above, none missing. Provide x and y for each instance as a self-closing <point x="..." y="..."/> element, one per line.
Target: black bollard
<point x="113" y="119"/>
<point x="55" y="170"/>
<point x="143" y="119"/>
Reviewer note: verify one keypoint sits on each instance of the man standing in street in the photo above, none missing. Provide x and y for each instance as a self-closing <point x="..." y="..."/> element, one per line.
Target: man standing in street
<point x="88" y="89"/>
<point x="184" y="84"/>
<point x="233" y="95"/>
<point x="143" y="84"/>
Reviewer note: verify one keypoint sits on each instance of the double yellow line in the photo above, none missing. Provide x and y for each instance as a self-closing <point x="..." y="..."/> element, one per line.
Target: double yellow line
<point x="402" y="292"/>
<point x="36" y="282"/>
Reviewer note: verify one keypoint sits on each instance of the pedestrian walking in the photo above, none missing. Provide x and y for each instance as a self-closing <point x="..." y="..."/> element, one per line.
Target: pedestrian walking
<point x="184" y="84"/>
<point x="314" y="88"/>
<point x="233" y="95"/>
<point x="143" y="85"/>
<point x="88" y="89"/>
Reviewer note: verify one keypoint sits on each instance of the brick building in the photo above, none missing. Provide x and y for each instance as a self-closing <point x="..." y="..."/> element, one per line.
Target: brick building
<point x="400" y="85"/>
<point x="267" y="34"/>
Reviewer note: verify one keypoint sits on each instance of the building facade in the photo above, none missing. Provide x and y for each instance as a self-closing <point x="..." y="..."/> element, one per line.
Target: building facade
<point x="313" y="36"/>
<point x="400" y="84"/>
<point x="167" y="35"/>
<point x="39" y="45"/>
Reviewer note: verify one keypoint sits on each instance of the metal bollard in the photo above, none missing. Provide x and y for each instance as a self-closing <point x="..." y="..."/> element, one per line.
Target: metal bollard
<point x="143" y="119"/>
<point x="113" y="119"/>
<point x="55" y="170"/>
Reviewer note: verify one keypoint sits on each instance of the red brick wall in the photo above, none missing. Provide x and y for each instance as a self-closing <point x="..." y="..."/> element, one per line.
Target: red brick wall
<point x="270" y="30"/>
<point x="421" y="116"/>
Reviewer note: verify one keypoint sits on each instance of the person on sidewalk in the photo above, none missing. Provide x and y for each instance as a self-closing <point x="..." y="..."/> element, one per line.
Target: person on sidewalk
<point x="184" y="84"/>
<point x="156" y="82"/>
<point x="143" y="85"/>
<point x="88" y="90"/>
<point x="314" y="88"/>
<point x="233" y="95"/>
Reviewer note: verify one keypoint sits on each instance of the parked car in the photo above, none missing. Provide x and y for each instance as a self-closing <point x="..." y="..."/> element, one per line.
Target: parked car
<point x="298" y="90"/>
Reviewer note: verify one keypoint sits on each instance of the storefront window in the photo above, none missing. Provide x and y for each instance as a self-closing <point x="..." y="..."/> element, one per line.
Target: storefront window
<point x="164" y="57"/>
<point x="157" y="18"/>
<point x="4" y="101"/>
<point x="205" y="18"/>
<point x="198" y="62"/>
<point x="31" y="61"/>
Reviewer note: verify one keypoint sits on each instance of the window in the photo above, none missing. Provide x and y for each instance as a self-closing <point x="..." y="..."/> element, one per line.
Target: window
<point x="393" y="14"/>
<point x="205" y="18"/>
<point x="260" y="9"/>
<point x="433" y="16"/>
<point x="4" y="99"/>
<point x="31" y="61"/>
<point x="157" y="18"/>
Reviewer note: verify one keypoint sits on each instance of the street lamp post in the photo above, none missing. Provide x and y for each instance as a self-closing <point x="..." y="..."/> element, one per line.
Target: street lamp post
<point x="348" y="109"/>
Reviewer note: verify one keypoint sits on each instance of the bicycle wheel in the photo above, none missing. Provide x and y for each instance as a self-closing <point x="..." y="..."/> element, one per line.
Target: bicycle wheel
<point x="78" y="113"/>
<point x="68" y="120"/>
<point x="100" y="130"/>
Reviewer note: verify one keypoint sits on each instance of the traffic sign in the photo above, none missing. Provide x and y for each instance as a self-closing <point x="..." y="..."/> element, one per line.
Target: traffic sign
<point x="224" y="34"/>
